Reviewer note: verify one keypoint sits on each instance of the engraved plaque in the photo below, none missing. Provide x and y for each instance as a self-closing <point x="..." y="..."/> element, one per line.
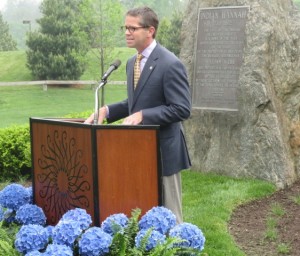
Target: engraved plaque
<point x="219" y="56"/>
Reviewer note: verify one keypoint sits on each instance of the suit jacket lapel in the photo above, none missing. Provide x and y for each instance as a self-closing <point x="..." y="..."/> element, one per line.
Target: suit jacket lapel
<point x="145" y="75"/>
<point x="130" y="90"/>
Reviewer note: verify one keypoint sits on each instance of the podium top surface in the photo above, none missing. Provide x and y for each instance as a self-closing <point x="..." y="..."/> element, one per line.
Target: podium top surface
<point x="80" y="122"/>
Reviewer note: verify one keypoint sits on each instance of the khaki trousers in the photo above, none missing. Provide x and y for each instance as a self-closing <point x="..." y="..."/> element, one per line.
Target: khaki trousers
<point x="172" y="195"/>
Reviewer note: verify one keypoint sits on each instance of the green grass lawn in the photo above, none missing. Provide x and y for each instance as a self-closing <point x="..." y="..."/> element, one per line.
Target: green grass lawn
<point x="208" y="202"/>
<point x="13" y="66"/>
<point x="18" y="103"/>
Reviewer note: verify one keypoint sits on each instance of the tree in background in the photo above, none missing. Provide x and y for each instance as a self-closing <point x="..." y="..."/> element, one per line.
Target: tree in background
<point x="104" y="19"/>
<point x="16" y="12"/>
<point x="57" y="50"/>
<point x="6" y="41"/>
<point x="169" y="32"/>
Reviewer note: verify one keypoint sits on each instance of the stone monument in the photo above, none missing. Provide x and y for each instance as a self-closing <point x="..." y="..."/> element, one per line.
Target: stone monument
<point x="243" y="61"/>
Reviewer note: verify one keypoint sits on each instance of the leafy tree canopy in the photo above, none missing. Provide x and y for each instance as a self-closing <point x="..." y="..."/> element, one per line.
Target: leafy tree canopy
<point x="169" y="32"/>
<point x="58" y="49"/>
<point x="103" y="18"/>
<point x="6" y="41"/>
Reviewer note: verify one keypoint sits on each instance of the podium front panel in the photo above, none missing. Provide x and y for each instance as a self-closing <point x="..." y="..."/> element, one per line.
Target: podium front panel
<point x="128" y="170"/>
<point x="62" y="168"/>
<point x="105" y="169"/>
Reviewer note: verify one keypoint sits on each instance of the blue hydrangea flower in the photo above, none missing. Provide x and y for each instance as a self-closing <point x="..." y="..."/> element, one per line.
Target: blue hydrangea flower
<point x="94" y="242"/>
<point x="191" y="234"/>
<point x="49" y="230"/>
<point x="66" y="232"/>
<point x="30" y="238"/>
<point x="30" y="192"/>
<point x="155" y="238"/>
<point x="114" y="223"/>
<point x="58" y="249"/>
<point x="79" y="215"/>
<point x="30" y="214"/>
<point x="159" y="218"/>
<point x="34" y="253"/>
<point x="14" y="196"/>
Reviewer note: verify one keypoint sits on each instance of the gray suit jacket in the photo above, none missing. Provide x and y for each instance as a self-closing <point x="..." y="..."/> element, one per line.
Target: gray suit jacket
<point x="163" y="95"/>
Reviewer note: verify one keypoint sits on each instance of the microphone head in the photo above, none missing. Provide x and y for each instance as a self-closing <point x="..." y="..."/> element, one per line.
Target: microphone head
<point x="116" y="63"/>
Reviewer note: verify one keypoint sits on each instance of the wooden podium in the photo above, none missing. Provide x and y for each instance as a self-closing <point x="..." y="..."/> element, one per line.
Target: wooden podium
<point x="105" y="169"/>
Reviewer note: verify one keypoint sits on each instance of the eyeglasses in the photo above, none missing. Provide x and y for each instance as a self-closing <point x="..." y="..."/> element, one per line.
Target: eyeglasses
<point x="131" y="29"/>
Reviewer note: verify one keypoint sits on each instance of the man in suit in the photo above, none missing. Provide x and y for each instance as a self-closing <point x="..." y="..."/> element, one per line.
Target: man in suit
<point x="160" y="97"/>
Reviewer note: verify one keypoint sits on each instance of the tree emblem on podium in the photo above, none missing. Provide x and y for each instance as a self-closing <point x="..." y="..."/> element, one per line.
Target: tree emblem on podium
<point x="62" y="183"/>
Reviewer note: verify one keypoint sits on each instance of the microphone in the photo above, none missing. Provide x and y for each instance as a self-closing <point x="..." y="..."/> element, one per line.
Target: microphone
<point x="112" y="67"/>
<point x="103" y="81"/>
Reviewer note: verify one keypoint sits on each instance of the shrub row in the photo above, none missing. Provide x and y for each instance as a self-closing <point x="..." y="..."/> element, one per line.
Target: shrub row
<point x="15" y="156"/>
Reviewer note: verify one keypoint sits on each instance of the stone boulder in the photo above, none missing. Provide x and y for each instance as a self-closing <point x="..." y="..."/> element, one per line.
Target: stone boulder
<point x="262" y="139"/>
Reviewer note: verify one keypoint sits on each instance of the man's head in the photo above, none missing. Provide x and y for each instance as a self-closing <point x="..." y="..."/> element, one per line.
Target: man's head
<point x="141" y="25"/>
<point x="147" y="15"/>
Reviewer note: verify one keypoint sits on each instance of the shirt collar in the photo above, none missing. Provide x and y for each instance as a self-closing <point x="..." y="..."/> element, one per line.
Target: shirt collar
<point x="146" y="53"/>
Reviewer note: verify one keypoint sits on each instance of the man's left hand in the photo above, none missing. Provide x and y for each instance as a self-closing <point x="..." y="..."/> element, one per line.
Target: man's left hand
<point x="134" y="119"/>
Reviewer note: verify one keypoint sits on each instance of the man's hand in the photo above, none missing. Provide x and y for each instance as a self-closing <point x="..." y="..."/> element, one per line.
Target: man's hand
<point x="101" y="116"/>
<point x="134" y="119"/>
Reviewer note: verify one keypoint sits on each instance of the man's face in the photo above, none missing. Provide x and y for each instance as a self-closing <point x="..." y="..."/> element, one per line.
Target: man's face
<point x="140" y="38"/>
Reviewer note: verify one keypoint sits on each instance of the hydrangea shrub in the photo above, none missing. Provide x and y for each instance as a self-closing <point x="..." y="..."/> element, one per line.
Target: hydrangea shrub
<point x="159" y="218"/>
<point x="30" y="238"/>
<point x="191" y="235"/>
<point x="154" y="238"/>
<point x="36" y="215"/>
<point x="94" y="242"/>
<point x="114" y="223"/>
<point x="14" y="196"/>
<point x="58" y="249"/>
<point x="156" y="233"/>
<point x="78" y="215"/>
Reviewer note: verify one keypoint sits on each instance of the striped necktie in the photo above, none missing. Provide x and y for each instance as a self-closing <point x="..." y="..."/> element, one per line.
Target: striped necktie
<point x="137" y="69"/>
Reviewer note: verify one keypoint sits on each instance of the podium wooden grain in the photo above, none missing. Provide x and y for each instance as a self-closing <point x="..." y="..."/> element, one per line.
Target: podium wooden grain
<point x="105" y="169"/>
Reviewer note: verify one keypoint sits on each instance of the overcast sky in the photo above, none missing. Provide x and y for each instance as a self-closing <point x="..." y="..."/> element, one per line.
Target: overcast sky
<point x="3" y="3"/>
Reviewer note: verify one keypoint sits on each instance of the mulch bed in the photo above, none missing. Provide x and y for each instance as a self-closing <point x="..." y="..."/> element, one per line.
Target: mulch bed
<point x="248" y="224"/>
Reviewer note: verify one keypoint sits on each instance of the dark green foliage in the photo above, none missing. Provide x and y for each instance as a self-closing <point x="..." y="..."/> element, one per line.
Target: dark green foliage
<point x="7" y="236"/>
<point x="7" y="249"/>
<point x="169" y="33"/>
<point x="58" y="49"/>
<point x="14" y="152"/>
<point x="123" y="243"/>
<point x="6" y="41"/>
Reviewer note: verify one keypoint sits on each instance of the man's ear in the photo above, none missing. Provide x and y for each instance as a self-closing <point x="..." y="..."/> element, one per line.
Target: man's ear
<point x="151" y="31"/>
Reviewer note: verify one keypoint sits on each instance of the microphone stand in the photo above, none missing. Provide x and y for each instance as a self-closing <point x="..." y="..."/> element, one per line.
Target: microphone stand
<point x="103" y="82"/>
<point x="96" y="114"/>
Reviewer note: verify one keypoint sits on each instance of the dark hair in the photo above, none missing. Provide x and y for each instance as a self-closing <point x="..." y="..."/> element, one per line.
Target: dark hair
<point x="148" y="17"/>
